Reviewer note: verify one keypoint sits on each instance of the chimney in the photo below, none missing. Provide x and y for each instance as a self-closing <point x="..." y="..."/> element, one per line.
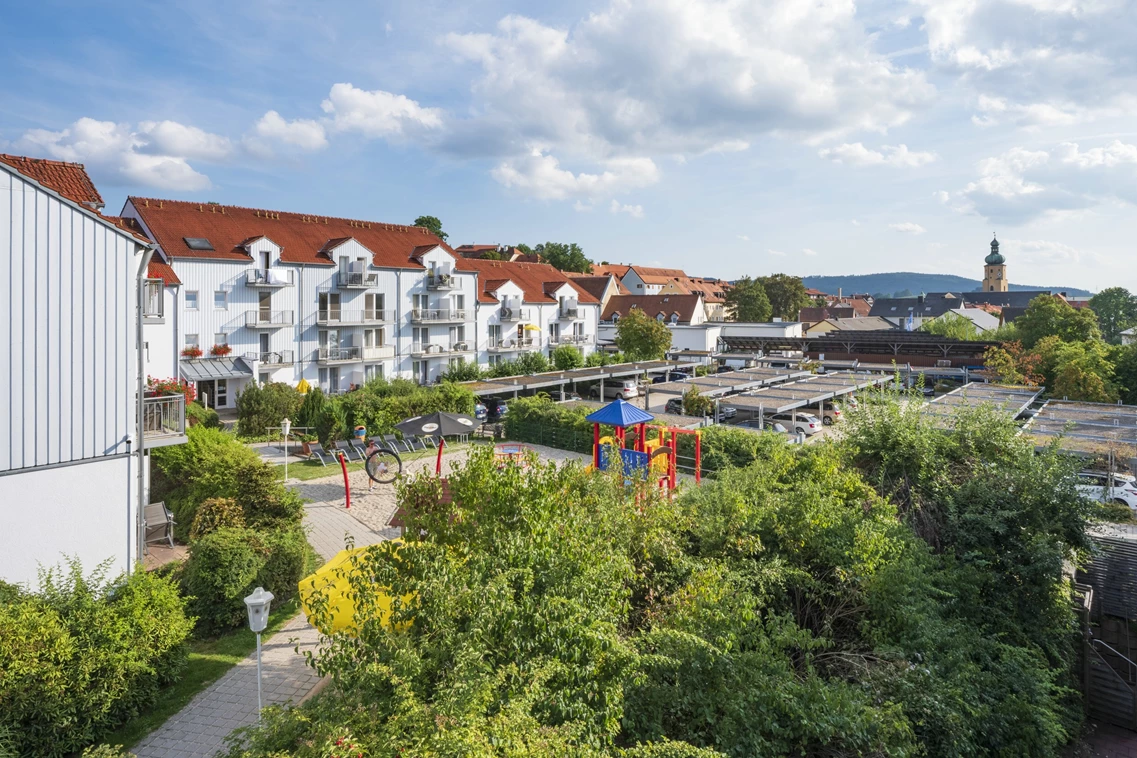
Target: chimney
<point x="838" y="293"/>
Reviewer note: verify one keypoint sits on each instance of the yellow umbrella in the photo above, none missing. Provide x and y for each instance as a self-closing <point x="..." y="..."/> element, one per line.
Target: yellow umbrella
<point x="302" y="387"/>
<point x="334" y="579"/>
<point x="532" y="328"/>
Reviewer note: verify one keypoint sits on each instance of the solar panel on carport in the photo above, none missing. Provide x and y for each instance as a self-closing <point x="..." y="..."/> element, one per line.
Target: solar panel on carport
<point x="807" y="392"/>
<point x="1012" y="399"/>
<point x="1089" y="428"/>
<point x="510" y="384"/>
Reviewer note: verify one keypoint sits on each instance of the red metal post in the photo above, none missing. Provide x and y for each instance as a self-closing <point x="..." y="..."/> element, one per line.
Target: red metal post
<point x="346" y="486"/>
<point x="438" y="465"/>
<point x="698" y="458"/>
<point x="596" y="446"/>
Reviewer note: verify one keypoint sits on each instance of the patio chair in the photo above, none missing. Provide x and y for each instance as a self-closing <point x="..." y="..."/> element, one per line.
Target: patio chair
<point x="360" y="447"/>
<point x="387" y="440"/>
<point x="158" y="523"/>
<point x="316" y="449"/>
<point x="427" y="440"/>
<point x="348" y="449"/>
<point x="412" y="443"/>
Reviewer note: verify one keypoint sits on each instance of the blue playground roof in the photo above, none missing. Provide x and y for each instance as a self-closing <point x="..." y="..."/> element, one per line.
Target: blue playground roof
<point x="620" y="413"/>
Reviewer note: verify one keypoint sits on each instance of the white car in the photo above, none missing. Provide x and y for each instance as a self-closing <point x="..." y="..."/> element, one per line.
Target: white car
<point x="1096" y="485"/>
<point x="806" y="423"/>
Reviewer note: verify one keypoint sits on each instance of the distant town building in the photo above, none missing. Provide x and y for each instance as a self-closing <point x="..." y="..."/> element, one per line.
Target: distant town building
<point x="995" y="270"/>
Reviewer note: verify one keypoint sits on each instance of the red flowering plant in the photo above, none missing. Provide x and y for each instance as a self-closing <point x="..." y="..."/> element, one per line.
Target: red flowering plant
<point x="220" y="350"/>
<point x="343" y="747"/>
<point x="165" y="387"/>
<point x="193" y="351"/>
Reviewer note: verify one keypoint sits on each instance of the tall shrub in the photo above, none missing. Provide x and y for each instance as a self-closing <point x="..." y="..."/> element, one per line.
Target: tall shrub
<point x="261" y="408"/>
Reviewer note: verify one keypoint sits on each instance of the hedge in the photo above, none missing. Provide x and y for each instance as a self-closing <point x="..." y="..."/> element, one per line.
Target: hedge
<point x="83" y="655"/>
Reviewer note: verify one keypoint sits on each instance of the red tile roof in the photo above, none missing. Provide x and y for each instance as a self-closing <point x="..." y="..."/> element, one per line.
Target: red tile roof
<point x="597" y="285"/>
<point x="659" y="275"/>
<point x="159" y="269"/>
<point x="536" y="280"/>
<point x="302" y="238"/>
<point x="616" y="269"/>
<point x="653" y="305"/>
<point x="68" y="179"/>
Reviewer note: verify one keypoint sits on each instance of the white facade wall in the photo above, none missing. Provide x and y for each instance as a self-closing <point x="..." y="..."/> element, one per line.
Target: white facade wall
<point x="637" y="286"/>
<point x="69" y="360"/>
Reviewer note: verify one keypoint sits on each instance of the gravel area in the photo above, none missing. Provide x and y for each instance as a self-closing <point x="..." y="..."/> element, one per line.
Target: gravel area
<point x="374" y="506"/>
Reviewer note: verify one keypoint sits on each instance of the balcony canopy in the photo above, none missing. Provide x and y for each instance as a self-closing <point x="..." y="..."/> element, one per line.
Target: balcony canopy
<point x="215" y="368"/>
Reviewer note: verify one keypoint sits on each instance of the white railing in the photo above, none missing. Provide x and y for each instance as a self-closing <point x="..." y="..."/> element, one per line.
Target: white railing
<point x="441" y="281"/>
<point x="333" y="354"/>
<point x="271" y="358"/>
<point x="163" y="419"/>
<point x="514" y="314"/>
<point x="260" y="277"/>
<point x="569" y="312"/>
<point x="571" y="339"/>
<point x="267" y="319"/>
<point x="511" y="345"/>
<point x="153" y="301"/>
<point x="360" y="279"/>
<point x="365" y="316"/>
<point x="378" y="352"/>
<point x="433" y="349"/>
<point x="438" y="315"/>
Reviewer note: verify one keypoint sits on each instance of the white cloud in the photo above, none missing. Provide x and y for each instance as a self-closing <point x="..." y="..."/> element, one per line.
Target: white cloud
<point x="154" y="155"/>
<point x="1047" y="252"/>
<point x="744" y="237"/>
<point x="778" y="253"/>
<point x="377" y="113"/>
<point x="856" y="154"/>
<point x="907" y="227"/>
<point x="854" y="222"/>
<point x="635" y="211"/>
<point x="540" y="175"/>
<point x="807" y="251"/>
<point x="302" y="134"/>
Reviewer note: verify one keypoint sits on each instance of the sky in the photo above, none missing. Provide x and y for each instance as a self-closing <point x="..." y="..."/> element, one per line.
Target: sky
<point x="727" y="138"/>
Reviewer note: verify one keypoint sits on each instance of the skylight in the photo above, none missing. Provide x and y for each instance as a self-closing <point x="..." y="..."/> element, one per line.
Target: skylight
<point x="198" y="243"/>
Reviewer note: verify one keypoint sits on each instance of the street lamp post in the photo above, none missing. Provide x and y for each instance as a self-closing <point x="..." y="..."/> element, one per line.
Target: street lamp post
<point x="258" y="606"/>
<point x="286" y="427"/>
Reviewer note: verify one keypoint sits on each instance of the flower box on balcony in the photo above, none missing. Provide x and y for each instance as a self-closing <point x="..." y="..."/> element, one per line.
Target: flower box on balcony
<point x="220" y="350"/>
<point x="191" y="352"/>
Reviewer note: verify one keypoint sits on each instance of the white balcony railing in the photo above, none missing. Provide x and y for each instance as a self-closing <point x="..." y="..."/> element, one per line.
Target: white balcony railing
<point x="438" y="315"/>
<point x="344" y="317"/>
<point x="571" y="339"/>
<point x="260" y="277"/>
<point x="378" y="352"/>
<point x="163" y="420"/>
<point x="153" y="301"/>
<point x="338" y="354"/>
<point x="267" y="319"/>
<point x="271" y="358"/>
<point x="568" y="313"/>
<point x="514" y="314"/>
<point x="356" y="279"/>
<point x="441" y="282"/>
<point x="511" y="345"/>
<point x="423" y="349"/>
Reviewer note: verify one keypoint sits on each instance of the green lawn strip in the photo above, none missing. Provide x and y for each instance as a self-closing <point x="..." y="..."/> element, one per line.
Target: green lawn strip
<point x="209" y="659"/>
<point x="307" y="470"/>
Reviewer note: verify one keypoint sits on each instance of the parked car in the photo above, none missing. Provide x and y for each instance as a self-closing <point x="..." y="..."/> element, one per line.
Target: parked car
<point x="764" y="426"/>
<point x="625" y="388"/>
<point x="674" y="406"/>
<point x="481" y="413"/>
<point x="1097" y="485"/>
<point x="725" y="412"/>
<point x="724" y="369"/>
<point x="495" y="410"/>
<point x="570" y="397"/>
<point x="670" y="376"/>
<point x="806" y="423"/>
<point x="830" y="414"/>
<point x="850" y="403"/>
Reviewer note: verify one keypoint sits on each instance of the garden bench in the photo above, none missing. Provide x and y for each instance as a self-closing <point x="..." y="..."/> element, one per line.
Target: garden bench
<point x="158" y="523"/>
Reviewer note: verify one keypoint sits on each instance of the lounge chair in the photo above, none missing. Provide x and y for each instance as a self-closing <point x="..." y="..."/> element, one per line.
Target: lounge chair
<point x="316" y="449"/>
<point x="158" y="523"/>
<point x="348" y="449"/>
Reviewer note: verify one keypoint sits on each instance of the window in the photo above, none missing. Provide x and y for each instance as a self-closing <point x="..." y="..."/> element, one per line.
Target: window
<point x="198" y="243"/>
<point x="191" y="300"/>
<point x="659" y="317"/>
<point x="191" y="340"/>
<point x="495" y="359"/>
<point x="221" y="300"/>
<point x="674" y="318"/>
<point x="615" y="317"/>
<point x="221" y="338"/>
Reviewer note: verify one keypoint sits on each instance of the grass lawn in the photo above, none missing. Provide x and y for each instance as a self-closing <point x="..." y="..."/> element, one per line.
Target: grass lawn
<point x="209" y="659"/>
<point x="306" y="470"/>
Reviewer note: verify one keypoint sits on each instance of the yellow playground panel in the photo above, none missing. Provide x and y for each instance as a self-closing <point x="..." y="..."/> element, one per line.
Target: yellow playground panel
<point x="333" y="579"/>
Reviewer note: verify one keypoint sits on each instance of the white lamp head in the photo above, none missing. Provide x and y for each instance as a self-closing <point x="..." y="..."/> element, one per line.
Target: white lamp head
<point x="286" y="427"/>
<point x="258" y="605"/>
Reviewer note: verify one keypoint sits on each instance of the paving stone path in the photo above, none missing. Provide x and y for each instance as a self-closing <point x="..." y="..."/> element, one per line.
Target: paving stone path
<point x="200" y="728"/>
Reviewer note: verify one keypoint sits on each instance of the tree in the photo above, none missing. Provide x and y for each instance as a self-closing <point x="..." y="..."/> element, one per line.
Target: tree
<point x="567" y="357"/>
<point x="641" y="337"/>
<point x="433" y="224"/>
<point x="787" y="295"/>
<point x="564" y="256"/>
<point x="1124" y="360"/>
<point x="1077" y="370"/>
<point x="1116" y="310"/>
<point x="1011" y="363"/>
<point x="747" y="301"/>
<point x="952" y="326"/>
<point x="1049" y="315"/>
<point x="696" y="404"/>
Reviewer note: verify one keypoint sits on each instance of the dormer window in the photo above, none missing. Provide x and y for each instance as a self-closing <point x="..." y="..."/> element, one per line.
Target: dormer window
<point x="615" y="317"/>
<point x="659" y="317"/>
<point x="674" y="318"/>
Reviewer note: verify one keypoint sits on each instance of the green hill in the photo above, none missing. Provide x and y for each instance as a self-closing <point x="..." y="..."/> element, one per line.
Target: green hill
<point x="904" y="283"/>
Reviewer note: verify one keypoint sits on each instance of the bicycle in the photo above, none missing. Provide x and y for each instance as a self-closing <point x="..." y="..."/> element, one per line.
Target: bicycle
<point x="383" y="464"/>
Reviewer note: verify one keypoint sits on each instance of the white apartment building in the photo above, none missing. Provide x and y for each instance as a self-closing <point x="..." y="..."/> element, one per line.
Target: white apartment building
<point x="274" y="296"/>
<point x="75" y="424"/>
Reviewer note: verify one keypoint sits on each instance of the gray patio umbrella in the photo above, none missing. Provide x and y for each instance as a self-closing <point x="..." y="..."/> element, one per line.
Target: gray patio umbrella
<point x="437" y="425"/>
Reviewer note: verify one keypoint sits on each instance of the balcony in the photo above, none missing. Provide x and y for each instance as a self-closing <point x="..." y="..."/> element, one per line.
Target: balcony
<point x="339" y="317"/>
<point x="267" y="319"/>
<point x="432" y="350"/>
<point x="568" y="313"/>
<point x="270" y="278"/>
<point x="327" y="355"/>
<point x="163" y="421"/>
<point x="439" y="315"/>
<point x="153" y="302"/>
<point x="441" y="282"/>
<point x="378" y="353"/>
<point x="514" y="314"/>
<point x="571" y="339"/>
<point x="356" y="280"/>
<point x="271" y="358"/>
<point x="513" y="345"/>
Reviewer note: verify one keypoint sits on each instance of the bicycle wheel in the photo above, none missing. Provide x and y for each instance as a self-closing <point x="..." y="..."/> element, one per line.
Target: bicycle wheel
<point x="383" y="466"/>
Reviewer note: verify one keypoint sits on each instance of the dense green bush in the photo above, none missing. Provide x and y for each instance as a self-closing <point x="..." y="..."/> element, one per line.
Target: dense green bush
<point x="567" y="357"/>
<point x="215" y="513"/>
<point x="264" y="499"/>
<point x="542" y="421"/>
<point x="261" y="407"/>
<point x="466" y="371"/>
<point x="199" y="415"/>
<point x="311" y="409"/>
<point x="380" y="404"/>
<point x="83" y="654"/>
<point x="286" y="553"/>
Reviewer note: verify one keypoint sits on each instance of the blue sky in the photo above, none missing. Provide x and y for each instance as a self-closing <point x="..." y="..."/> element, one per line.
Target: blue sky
<point x="726" y="138"/>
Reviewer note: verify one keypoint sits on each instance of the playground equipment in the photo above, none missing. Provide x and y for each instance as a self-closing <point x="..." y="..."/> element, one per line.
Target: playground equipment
<point x="653" y="451"/>
<point x="332" y="582"/>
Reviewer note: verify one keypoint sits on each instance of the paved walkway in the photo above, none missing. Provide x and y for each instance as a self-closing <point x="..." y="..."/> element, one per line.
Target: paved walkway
<point x="199" y="730"/>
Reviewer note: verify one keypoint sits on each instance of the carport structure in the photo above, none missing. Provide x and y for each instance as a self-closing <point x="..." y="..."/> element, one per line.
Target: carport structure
<point x="514" y="385"/>
<point x="1088" y="429"/>
<point x="718" y="385"/>
<point x="805" y="393"/>
<point x="1012" y="399"/>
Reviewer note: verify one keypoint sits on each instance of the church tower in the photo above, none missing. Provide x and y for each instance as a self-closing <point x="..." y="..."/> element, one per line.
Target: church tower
<point x="995" y="270"/>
